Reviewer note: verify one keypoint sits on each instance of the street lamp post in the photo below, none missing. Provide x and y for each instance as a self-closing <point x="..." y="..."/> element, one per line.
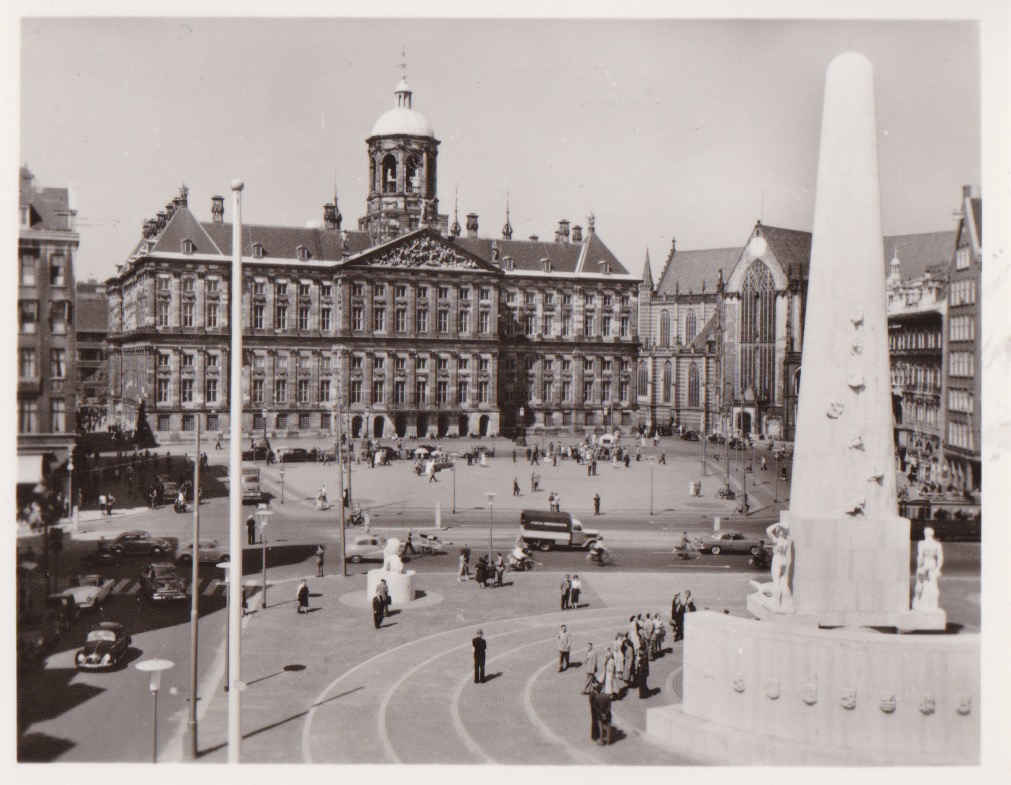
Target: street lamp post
<point x="264" y="515"/>
<point x="223" y="566"/>
<point x="70" y="485"/>
<point x="191" y="722"/>
<point x="491" y="521"/>
<point x="155" y="668"/>
<point x="454" y="488"/>
<point x="651" y="489"/>
<point x="266" y="452"/>
<point x="340" y="480"/>
<point x="282" y="485"/>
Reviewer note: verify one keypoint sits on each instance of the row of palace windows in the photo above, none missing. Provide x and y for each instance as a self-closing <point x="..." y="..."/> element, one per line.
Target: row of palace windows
<point x="509" y="363"/>
<point x="463" y="293"/>
<point x="548" y="326"/>
<point x="549" y="297"/>
<point x="421" y="392"/>
<point x="421" y="323"/>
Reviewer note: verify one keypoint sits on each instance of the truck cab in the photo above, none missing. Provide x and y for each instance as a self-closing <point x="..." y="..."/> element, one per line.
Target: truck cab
<point x="545" y="530"/>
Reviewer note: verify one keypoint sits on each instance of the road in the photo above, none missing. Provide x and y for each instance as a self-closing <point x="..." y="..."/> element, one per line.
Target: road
<point x="69" y="716"/>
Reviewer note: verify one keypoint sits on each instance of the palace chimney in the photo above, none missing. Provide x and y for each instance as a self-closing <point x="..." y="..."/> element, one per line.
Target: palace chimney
<point x="577" y="234"/>
<point x="472" y="226"/>
<point x="562" y="232"/>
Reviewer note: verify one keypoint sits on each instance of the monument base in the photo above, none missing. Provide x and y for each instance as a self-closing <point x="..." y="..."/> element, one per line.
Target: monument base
<point x="759" y="692"/>
<point x="400" y="584"/>
<point x="761" y="606"/>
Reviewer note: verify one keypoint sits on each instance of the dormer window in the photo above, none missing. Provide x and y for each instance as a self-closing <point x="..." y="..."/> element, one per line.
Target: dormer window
<point x="302" y="253"/>
<point x="188" y="246"/>
<point x="507" y="261"/>
<point x="26" y="215"/>
<point x="546" y="264"/>
<point x="257" y="250"/>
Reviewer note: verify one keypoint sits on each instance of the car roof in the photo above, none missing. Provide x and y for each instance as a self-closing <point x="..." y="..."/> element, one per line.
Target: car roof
<point x="114" y="626"/>
<point x="135" y="533"/>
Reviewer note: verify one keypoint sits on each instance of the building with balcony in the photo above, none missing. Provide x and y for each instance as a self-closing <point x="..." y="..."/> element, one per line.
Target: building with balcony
<point x="962" y="373"/>
<point x="415" y="328"/>
<point x="92" y="327"/>
<point x="47" y="350"/>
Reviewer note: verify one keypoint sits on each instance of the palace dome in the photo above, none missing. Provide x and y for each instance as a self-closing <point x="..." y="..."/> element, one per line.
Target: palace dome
<point x="402" y="118"/>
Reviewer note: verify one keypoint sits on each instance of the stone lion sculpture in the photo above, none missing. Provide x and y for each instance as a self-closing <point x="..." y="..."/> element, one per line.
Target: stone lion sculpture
<point x="391" y="556"/>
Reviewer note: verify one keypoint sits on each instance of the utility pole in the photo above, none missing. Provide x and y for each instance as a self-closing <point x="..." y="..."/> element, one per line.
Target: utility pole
<point x="340" y="481"/>
<point x="191" y="745"/>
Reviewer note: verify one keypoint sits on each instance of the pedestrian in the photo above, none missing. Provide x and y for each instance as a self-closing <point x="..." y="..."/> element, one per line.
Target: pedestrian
<point x="251" y="530"/>
<point x="595" y="712"/>
<point x="677" y="615"/>
<point x="574" y="590"/>
<point x="533" y="486"/>
<point x="481" y="572"/>
<point x="643" y="670"/>
<point x="319" y="561"/>
<point x="409" y="545"/>
<point x="596" y="504"/>
<point x="589" y="668"/>
<point x="628" y="460"/>
<point x="564" y="648"/>
<point x="663" y="458"/>
<point x="618" y="654"/>
<point x="461" y="574"/>
<point x="303" y="597"/>
<point x="109" y="501"/>
<point x="589" y="468"/>
<point x="628" y="661"/>
<point x="499" y="569"/>
<point x="601" y="702"/>
<point x="566" y="589"/>
<point x="378" y="608"/>
<point x="384" y="593"/>
<point x="480" y="648"/>
<point x="516" y="486"/>
<point x="647" y="634"/>
<point x="661" y="634"/>
<point x="764" y="463"/>
<point x="514" y="455"/>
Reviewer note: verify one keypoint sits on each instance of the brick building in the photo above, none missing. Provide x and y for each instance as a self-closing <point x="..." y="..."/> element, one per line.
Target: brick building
<point x="91" y="329"/>
<point x="963" y="372"/>
<point x="414" y="327"/>
<point x="46" y="390"/>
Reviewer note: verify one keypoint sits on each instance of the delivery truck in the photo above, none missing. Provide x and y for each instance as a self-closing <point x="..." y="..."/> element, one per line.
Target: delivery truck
<point x="545" y="530"/>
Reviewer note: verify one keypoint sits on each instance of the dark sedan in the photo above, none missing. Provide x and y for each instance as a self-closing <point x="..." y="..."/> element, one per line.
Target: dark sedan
<point x="259" y="452"/>
<point x="730" y="542"/>
<point x="297" y="455"/>
<point x="139" y="543"/>
<point x="161" y="583"/>
<point x="105" y="647"/>
<point x="690" y="436"/>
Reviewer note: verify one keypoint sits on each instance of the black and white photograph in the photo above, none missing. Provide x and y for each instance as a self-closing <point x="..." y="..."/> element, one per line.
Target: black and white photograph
<point x="571" y="389"/>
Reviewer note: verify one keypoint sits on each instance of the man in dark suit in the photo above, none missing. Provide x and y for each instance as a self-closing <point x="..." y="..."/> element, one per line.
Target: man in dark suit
<point x="480" y="647"/>
<point x="600" y="716"/>
<point x="642" y="669"/>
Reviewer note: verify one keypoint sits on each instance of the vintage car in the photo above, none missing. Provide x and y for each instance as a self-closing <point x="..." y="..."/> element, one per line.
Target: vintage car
<point x="104" y="648"/>
<point x="208" y="552"/>
<point x="161" y="583"/>
<point x="365" y="547"/>
<point x="295" y="455"/>
<point x="139" y="543"/>
<point x="102" y="556"/>
<point x="91" y="590"/>
<point x="259" y="452"/>
<point x="690" y="436"/>
<point x="730" y="542"/>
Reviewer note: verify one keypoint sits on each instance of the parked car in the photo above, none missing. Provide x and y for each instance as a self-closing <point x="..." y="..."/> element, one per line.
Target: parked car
<point x="295" y="455"/>
<point x="91" y="590"/>
<point x="104" y="647"/>
<point x="366" y="547"/>
<point x="424" y="450"/>
<point x="690" y="436"/>
<point x="208" y="552"/>
<point x="140" y="543"/>
<point x="160" y="582"/>
<point x="730" y="542"/>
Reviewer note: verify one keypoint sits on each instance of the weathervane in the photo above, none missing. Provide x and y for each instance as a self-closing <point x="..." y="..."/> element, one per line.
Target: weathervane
<point x="403" y="63"/>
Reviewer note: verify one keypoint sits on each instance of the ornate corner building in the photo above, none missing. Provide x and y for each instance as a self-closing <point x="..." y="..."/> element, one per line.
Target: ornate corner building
<point x="411" y="326"/>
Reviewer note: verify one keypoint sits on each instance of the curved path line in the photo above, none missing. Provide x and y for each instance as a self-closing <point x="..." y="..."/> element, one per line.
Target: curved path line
<point x="582" y="757"/>
<point x="310" y="716"/>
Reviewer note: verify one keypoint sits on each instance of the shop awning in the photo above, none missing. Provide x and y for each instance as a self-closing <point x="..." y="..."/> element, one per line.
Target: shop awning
<point x="29" y="469"/>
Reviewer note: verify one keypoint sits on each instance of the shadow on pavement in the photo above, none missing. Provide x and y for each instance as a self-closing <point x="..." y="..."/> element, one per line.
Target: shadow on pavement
<point x="40" y="748"/>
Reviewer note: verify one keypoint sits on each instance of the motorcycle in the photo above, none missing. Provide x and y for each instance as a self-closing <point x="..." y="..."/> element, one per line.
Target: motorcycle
<point x="520" y="564"/>
<point x="600" y="556"/>
<point x="179" y="506"/>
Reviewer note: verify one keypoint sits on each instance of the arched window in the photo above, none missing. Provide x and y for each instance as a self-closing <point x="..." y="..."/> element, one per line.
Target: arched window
<point x="758" y="331"/>
<point x="668" y="381"/>
<point x="690" y="328"/>
<point x="389" y="174"/>
<point x="643" y="379"/>
<point x="665" y="328"/>
<point x="413" y="179"/>
<point x="693" y="385"/>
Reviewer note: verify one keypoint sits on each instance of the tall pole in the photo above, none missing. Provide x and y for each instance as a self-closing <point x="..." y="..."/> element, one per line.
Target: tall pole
<point x="263" y="557"/>
<point x="454" y="488"/>
<point x="235" y="483"/>
<point x="491" y="522"/>
<point x="191" y="722"/>
<point x="154" y="737"/>
<point x="651" y="489"/>
<point x="340" y="481"/>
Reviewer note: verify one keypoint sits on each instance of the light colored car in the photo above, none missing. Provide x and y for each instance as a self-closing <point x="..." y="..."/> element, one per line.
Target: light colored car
<point x="208" y="552"/>
<point x="365" y="547"/>
<point x="91" y="590"/>
<point x="729" y="541"/>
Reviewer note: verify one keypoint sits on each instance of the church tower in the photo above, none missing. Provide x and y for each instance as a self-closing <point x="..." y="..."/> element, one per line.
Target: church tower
<point x="402" y="171"/>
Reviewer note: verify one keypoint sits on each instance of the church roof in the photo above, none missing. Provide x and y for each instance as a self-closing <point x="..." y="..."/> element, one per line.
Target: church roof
<point x="687" y="271"/>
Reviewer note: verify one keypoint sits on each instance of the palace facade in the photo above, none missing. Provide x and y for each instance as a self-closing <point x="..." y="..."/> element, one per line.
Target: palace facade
<point x="406" y="327"/>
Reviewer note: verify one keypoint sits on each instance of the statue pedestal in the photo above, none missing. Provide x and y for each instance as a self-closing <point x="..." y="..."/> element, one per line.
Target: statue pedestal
<point x="400" y="584"/>
<point x="785" y="693"/>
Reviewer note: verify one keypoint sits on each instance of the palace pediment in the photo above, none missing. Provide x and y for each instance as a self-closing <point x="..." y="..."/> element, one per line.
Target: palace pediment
<point x="422" y="250"/>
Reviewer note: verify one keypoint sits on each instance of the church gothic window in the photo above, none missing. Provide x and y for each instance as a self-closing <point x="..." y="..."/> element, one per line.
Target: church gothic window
<point x="665" y="328"/>
<point x="758" y="330"/>
<point x="693" y="385"/>
<point x="690" y="327"/>
<point x="668" y="381"/>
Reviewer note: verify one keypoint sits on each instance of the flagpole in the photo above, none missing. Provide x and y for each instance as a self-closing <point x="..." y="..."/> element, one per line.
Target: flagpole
<point x="235" y="484"/>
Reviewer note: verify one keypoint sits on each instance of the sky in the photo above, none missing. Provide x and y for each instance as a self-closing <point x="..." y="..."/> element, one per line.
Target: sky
<point x="660" y="128"/>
